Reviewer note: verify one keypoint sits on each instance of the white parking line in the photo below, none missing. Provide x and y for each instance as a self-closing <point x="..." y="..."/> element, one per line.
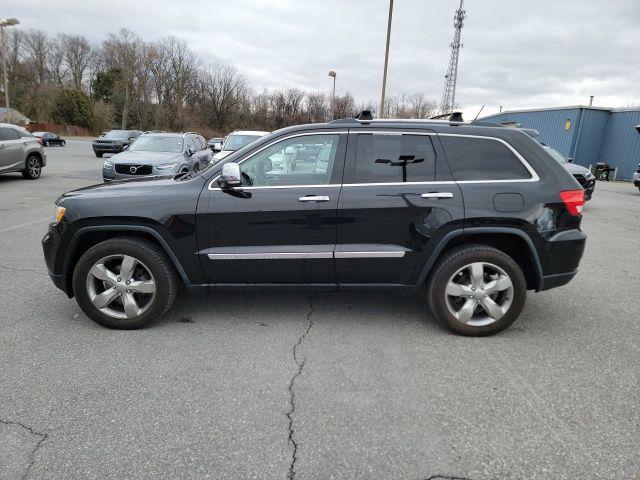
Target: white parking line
<point x="14" y="227"/>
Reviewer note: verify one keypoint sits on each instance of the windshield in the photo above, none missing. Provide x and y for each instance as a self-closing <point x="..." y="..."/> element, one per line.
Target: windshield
<point x="557" y="156"/>
<point x="235" y="142"/>
<point x="117" y="134"/>
<point x="157" y="143"/>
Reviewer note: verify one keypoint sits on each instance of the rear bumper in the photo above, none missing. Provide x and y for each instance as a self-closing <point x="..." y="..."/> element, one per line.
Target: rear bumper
<point x="562" y="255"/>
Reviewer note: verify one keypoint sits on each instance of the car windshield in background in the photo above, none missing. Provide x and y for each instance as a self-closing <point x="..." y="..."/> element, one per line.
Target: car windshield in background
<point x="117" y="134"/>
<point x="236" y="142"/>
<point x="157" y="144"/>
<point x="557" y="156"/>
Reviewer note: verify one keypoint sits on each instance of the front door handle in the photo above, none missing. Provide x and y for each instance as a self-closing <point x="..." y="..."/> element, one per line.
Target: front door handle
<point x="437" y="195"/>
<point x="314" y="198"/>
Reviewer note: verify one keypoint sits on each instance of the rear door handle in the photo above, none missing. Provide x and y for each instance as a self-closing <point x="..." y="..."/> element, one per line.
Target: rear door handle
<point x="314" y="198"/>
<point x="437" y="195"/>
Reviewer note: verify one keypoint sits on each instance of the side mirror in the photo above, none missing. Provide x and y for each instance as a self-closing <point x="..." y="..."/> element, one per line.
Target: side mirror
<point x="570" y="160"/>
<point x="230" y="176"/>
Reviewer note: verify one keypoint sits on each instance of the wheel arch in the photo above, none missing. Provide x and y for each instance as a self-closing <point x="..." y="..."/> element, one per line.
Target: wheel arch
<point x="86" y="237"/>
<point x="512" y="241"/>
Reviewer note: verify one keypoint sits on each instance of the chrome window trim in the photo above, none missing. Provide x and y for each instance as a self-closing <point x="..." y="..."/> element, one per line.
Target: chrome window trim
<point x="293" y="135"/>
<point x="529" y="168"/>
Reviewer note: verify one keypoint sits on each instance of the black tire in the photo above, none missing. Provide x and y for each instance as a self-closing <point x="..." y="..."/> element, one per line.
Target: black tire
<point x="451" y="264"/>
<point x="63" y="143"/>
<point x="33" y="167"/>
<point x="98" y="154"/>
<point x="153" y="258"/>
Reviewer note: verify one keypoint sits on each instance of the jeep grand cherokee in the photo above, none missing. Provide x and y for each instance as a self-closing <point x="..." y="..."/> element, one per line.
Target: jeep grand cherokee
<point x="476" y="214"/>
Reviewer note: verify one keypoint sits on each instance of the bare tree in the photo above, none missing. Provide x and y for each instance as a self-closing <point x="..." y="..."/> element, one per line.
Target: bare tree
<point x="123" y="51"/>
<point x="222" y="92"/>
<point x="76" y="53"/>
<point x="317" y="107"/>
<point x="344" y="106"/>
<point x="36" y="46"/>
<point x="12" y="48"/>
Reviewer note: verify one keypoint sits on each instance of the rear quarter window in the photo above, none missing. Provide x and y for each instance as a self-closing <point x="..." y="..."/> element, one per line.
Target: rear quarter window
<point x="475" y="158"/>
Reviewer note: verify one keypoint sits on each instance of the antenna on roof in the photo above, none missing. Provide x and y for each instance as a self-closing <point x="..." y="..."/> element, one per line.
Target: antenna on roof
<point x="476" y="117"/>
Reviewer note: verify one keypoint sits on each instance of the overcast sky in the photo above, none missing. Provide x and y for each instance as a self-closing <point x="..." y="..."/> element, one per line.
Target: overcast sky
<point x="519" y="54"/>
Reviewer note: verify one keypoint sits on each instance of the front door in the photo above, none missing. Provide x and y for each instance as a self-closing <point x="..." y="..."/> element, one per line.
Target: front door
<point x="279" y="227"/>
<point x="398" y="200"/>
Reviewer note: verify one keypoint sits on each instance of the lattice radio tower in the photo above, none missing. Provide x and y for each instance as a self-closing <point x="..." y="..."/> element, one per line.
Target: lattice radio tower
<point x="450" y="79"/>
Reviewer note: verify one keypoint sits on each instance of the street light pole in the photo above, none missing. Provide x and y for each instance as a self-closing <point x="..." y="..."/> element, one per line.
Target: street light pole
<point x="333" y="93"/>
<point x="386" y="60"/>
<point x="5" y="80"/>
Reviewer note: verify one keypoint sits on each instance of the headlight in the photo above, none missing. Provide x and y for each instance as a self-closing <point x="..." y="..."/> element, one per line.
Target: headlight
<point x="107" y="164"/>
<point x="166" y="166"/>
<point x="58" y="214"/>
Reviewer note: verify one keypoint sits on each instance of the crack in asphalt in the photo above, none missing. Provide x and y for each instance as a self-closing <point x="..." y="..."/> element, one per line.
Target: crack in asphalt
<point x="22" y="270"/>
<point x="446" y="477"/>
<point x="291" y="475"/>
<point x="30" y="457"/>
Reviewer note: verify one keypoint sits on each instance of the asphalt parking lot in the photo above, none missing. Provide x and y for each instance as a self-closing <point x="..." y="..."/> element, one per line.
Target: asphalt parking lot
<point x="327" y="386"/>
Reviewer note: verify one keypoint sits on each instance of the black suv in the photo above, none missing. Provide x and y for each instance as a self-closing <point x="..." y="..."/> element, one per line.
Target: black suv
<point x="479" y="214"/>
<point x="114" y="141"/>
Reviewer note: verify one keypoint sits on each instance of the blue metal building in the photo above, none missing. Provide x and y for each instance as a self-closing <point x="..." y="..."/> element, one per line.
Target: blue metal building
<point x="587" y="134"/>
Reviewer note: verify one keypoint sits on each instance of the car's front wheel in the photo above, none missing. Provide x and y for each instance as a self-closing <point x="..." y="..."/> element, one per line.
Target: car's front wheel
<point x="32" y="167"/>
<point x="62" y="143"/>
<point x="124" y="283"/>
<point x="98" y="154"/>
<point x="477" y="290"/>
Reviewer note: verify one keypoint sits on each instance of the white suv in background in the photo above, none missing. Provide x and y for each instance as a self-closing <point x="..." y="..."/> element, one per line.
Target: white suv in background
<point x="20" y="152"/>
<point x="235" y="141"/>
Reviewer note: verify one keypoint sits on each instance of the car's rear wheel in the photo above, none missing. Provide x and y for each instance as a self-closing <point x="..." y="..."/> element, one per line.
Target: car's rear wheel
<point x="124" y="283"/>
<point x="477" y="290"/>
<point x="98" y="154"/>
<point x="32" y="167"/>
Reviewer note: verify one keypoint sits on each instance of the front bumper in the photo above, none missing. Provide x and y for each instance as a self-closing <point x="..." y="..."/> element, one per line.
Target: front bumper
<point x="53" y="253"/>
<point x="636" y="179"/>
<point x="108" y="148"/>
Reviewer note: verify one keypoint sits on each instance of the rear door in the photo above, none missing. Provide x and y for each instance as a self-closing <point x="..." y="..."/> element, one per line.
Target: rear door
<point x="397" y="202"/>
<point x="280" y="226"/>
<point x="11" y="149"/>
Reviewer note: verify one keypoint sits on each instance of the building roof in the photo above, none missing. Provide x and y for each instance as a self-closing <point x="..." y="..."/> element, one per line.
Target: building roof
<point x="569" y="107"/>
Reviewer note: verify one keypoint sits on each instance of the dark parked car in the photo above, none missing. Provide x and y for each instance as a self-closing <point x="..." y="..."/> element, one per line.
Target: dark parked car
<point x="158" y="154"/>
<point x="47" y="138"/>
<point x="20" y="152"/>
<point x="114" y="141"/>
<point x="477" y="214"/>
<point x="582" y="174"/>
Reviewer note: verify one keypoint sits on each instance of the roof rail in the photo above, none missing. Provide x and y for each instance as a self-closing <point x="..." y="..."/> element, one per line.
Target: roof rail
<point x="190" y="133"/>
<point x="345" y="120"/>
<point x="452" y="117"/>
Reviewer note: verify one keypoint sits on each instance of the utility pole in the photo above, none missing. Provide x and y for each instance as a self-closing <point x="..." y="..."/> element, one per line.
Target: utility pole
<point x="333" y="92"/>
<point x="386" y="60"/>
<point x="451" y="78"/>
<point x="5" y="23"/>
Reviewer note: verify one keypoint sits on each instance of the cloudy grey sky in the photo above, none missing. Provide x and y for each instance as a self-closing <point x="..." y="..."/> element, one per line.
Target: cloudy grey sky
<point x="519" y="54"/>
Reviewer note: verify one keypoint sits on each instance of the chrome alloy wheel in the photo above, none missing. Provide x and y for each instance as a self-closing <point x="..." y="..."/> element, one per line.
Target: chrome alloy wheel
<point x="479" y="294"/>
<point x="33" y="165"/>
<point x="121" y="286"/>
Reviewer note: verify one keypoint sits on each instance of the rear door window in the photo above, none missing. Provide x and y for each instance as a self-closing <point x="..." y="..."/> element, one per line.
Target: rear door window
<point x="7" y="133"/>
<point x="394" y="158"/>
<point x="476" y="158"/>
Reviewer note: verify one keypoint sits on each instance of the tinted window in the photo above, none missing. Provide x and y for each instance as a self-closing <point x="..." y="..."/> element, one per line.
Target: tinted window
<point x="386" y="158"/>
<point x="7" y="133"/>
<point x="286" y="162"/>
<point x="482" y="159"/>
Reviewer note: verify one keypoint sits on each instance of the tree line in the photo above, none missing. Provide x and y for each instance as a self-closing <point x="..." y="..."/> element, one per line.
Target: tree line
<point x="125" y="82"/>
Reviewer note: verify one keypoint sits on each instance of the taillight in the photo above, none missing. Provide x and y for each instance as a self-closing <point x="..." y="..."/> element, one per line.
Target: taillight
<point x="573" y="200"/>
